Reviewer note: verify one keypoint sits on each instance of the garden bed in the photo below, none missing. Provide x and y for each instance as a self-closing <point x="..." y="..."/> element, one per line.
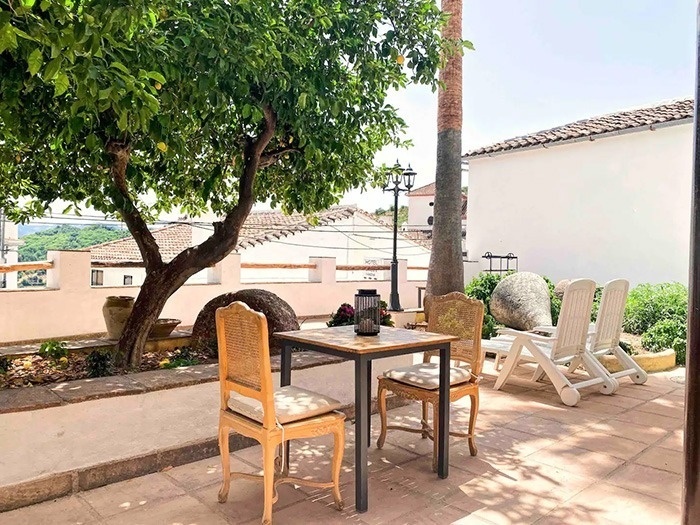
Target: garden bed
<point x="31" y="370"/>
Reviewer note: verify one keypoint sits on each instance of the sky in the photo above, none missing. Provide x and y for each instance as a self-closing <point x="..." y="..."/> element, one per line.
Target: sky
<point x="543" y="63"/>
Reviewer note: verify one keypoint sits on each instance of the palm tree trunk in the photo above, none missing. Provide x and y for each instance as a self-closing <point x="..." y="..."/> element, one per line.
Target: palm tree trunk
<point x="446" y="270"/>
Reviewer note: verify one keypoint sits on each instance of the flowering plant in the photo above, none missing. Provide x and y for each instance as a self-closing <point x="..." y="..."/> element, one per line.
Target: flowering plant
<point x="345" y="315"/>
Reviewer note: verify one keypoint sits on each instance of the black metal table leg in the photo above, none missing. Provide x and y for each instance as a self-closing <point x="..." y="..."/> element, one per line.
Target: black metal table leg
<point x="286" y="380"/>
<point x="361" y="431"/>
<point x="369" y="401"/>
<point x="286" y="365"/>
<point x="444" y="411"/>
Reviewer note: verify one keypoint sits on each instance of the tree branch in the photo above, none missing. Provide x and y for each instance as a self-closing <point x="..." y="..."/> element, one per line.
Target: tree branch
<point x="150" y="252"/>
<point x="225" y="236"/>
<point x="270" y="158"/>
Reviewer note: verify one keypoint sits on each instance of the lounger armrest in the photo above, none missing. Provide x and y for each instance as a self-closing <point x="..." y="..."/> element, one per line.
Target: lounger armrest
<point x="549" y="329"/>
<point x="529" y="335"/>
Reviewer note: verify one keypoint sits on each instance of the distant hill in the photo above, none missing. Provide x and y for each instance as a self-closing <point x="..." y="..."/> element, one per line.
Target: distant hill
<point x="65" y="237"/>
<point x="387" y="216"/>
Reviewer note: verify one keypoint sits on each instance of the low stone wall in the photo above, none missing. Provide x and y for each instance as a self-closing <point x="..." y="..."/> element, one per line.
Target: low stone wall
<point x="651" y="362"/>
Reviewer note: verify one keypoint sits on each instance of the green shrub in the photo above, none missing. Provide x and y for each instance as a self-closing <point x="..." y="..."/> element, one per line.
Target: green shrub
<point x="53" y="350"/>
<point x="647" y="304"/>
<point x="481" y="287"/>
<point x="596" y="303"/>
<point x="99" y="363"/>
<point x="4" y="365"/>
<point x="489" y="328"/>
<point x="183" y="356"/>
<point x="667" y="333"/>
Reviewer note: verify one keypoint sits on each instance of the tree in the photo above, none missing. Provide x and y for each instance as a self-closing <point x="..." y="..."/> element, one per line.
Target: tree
<point x="446" y="270"/>
<point x="135" y="109"/>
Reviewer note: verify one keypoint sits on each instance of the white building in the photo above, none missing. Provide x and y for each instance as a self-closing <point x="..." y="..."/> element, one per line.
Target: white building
<point x="602" y="198"/>
<point x="350" y="235"/>
<point x="421" y="208"/>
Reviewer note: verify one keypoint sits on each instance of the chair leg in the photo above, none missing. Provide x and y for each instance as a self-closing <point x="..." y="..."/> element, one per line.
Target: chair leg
<point x="509" y="365"/>
<point x="537" y="375"/>
<point x="436" y="437"/>
<point x="575" y="362"/>
<point x="474" y="411"/>
<point x="424" y="420"/>
<point x="225" y="463"/>
<point x="338" y="451"/>
<point x="269" y="451"/>
<point x="281" y="463"/>
<point x="381" y="407"/>
<point x="497" y="362"/>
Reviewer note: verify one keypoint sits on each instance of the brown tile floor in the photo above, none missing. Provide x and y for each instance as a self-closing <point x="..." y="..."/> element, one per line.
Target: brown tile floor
<point x="611" y="460"/>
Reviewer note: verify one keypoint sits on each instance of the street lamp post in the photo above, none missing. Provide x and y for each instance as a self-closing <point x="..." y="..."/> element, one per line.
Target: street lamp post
<point x="397" y="175"/>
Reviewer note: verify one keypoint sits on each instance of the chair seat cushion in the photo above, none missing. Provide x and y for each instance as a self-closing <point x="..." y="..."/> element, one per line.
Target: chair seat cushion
<point x="291" y="404"/>
<point x="426" y="375"/>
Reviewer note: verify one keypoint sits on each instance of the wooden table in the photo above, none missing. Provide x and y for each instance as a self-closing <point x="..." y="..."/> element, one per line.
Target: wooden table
<point x="343" y="342"/>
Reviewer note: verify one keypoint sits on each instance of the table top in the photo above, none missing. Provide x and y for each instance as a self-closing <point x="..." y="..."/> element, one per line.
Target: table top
<point x="345" y="339"/>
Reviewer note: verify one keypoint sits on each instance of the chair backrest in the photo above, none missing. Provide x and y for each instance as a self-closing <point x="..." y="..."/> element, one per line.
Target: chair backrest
<point x="608" y="324"/>
<point x="244" y="357"/>
<point x="456" y="314"/>
<point x="574" y="318"/>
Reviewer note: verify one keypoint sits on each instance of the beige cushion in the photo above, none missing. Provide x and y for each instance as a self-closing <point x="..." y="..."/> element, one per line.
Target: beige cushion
<point x="291" y="404"/>
<point x="426" y="375"/>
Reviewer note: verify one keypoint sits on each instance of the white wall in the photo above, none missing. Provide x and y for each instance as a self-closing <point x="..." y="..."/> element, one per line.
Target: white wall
<point x="419" y="209"/>
<point x="614" y="207"/>
<point x="69" y="306"/>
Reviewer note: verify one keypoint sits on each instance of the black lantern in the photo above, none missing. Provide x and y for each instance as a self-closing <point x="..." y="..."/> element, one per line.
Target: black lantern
<point x="367" y="312"/>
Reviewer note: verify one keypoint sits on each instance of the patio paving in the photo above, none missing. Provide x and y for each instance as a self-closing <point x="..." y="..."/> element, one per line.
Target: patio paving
<point x="610" y="460"/>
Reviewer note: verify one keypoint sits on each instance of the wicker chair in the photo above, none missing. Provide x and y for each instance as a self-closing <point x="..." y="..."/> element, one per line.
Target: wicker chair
<point x="453" y="314"/>
<point x="251" y="407"/>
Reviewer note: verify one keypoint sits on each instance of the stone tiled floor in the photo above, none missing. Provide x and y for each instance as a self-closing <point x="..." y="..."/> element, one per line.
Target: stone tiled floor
<point x="610" y="460"/>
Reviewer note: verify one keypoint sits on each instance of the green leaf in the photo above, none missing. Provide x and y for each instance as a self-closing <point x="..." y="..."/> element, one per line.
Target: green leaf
<point x="8" y="37"/>
<point x="156" y="76"/>
<point x="52" y="68"/>
<point x="121" y="67"/>
<point x="92" y="141"/>
<point x="35" y="61"/>
<point x="61" y="85"/>
<point x="302" y="101"/>
<point x="123" y="121"/>
<point x="76" y="124"/>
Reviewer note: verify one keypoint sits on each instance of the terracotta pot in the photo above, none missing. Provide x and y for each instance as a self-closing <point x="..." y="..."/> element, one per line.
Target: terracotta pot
<point x="163" y="328"/>
<point x="116" y="311"/>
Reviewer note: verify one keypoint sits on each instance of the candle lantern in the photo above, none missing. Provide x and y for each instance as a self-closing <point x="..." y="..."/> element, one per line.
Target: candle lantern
<point x="367" y="312"/>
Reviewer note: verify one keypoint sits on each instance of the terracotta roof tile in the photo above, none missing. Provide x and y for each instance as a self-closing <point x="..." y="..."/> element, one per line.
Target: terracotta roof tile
<point x="648" y="116"/>
<point x="423" y="191"/>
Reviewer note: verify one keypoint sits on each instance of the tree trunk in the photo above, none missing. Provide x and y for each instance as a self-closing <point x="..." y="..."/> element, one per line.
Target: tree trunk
<point x="162" y="280"/>
<point x="446" y="270"/>
<point x="156" y="289"/>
